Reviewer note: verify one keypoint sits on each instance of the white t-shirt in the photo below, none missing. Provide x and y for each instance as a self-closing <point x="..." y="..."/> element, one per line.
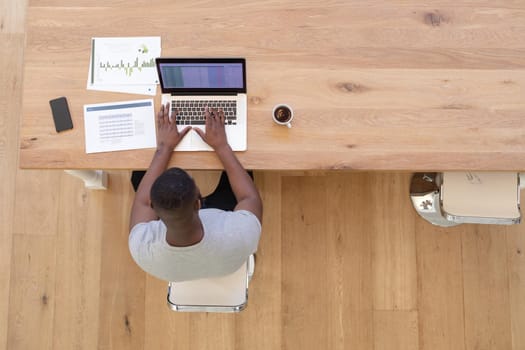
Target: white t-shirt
<point x="230" y="237"/>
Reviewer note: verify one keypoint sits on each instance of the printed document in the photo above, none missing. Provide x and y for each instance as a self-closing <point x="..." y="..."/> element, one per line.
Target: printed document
<point x="119" y="126"/>
<point x="124" y="64"/>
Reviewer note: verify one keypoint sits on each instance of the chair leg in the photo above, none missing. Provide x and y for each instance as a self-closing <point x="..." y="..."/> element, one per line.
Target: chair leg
<point x="251" y="266"/>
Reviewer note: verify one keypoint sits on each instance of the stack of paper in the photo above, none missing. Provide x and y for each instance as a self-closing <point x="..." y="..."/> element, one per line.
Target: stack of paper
<point x="124" y="65"/>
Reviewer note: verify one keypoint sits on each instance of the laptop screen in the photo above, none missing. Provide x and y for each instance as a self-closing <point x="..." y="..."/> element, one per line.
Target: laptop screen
<point x="186" y="76"/>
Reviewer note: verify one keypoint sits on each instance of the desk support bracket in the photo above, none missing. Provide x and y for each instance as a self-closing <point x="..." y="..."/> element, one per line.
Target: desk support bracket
<point x="93" y="179"/>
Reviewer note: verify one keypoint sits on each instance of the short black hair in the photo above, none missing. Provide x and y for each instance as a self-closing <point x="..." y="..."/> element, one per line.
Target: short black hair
<point x="173" y="189"/>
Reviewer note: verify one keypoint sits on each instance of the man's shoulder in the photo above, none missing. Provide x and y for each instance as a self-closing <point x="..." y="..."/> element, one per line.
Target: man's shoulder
<point x="212" y="213"/>
<point x="154" y="225"/>
<point x="147" y="231"/>
<point x="239" y="220"/>
<point x="246" y="215"/>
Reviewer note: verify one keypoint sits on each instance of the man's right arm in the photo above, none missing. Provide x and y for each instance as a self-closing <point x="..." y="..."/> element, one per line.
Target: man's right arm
<point x="242" y="185"/>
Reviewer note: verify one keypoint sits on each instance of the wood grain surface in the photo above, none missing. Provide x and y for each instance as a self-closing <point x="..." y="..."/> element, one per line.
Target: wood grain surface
<point x="377" y="86"/>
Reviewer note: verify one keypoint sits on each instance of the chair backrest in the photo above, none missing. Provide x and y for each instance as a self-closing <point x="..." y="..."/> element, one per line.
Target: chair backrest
<point x="481" y="197"/>
<point x="218" y="294"/>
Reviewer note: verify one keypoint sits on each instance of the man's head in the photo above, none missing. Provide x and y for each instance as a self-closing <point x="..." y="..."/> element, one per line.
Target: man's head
<point x="174" y="195"/>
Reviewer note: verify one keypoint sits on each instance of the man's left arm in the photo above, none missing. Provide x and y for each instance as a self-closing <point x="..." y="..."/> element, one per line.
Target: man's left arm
<point x="168" y="137"/>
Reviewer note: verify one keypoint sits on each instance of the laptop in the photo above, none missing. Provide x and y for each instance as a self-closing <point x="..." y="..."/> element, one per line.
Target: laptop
<point x="191" y="84"/>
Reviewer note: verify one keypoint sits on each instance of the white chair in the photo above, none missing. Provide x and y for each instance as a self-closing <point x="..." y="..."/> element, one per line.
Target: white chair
<point x="218" y="294"/>
<point x="453" y="198"/>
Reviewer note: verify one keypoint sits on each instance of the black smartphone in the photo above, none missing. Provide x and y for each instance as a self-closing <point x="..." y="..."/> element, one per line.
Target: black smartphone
<point x="61" y="114"/>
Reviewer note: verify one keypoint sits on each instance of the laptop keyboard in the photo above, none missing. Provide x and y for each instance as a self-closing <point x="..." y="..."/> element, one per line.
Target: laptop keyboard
<point x="192" y="112"/>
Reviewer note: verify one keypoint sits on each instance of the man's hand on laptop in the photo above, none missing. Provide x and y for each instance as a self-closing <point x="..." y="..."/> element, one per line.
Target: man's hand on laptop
<point x="168" y="136"/>
<point x="215" y="134"/>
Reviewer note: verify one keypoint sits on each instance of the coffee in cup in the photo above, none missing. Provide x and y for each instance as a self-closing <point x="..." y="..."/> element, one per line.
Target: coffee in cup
<point x="283" y="114"/>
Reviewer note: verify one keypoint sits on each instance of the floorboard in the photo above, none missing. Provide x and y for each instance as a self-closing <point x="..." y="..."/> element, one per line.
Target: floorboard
<point x="516" y="265"/>
<point x="78" y="261"/>
<point x="396" y="330"/>
<point x="486" y="288"/>
<point x="350" y="252"/>
<point x="392" y="226"/>
<point x="122" y="283"/>
<point x="306" y="297"/>
<point x="440" y="287"/>
<point x="11" y="49"/>
<point x="33" y="293"/>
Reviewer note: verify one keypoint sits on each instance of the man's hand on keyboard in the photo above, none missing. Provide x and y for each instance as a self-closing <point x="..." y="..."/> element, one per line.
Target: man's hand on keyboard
<point x="167" y="134"/>
<point x="215" y="135"/>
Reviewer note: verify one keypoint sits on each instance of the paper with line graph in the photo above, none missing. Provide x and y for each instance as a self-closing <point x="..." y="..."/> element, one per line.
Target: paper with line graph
<point x="124" y="64"/>
<point x="119" y="126"/>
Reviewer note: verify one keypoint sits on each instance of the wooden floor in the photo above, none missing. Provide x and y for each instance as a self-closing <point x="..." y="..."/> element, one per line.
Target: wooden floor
<point x="344" y="262"/>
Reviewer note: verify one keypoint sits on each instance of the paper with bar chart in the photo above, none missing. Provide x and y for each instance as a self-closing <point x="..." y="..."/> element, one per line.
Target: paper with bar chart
<point x="124" y="64"/>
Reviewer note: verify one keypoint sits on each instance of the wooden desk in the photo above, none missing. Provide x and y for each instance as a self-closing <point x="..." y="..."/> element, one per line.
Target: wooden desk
<point x="375" y="85"/>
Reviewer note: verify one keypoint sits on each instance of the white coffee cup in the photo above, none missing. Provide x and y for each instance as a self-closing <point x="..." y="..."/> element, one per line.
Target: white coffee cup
<point x="282" y="114"/>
